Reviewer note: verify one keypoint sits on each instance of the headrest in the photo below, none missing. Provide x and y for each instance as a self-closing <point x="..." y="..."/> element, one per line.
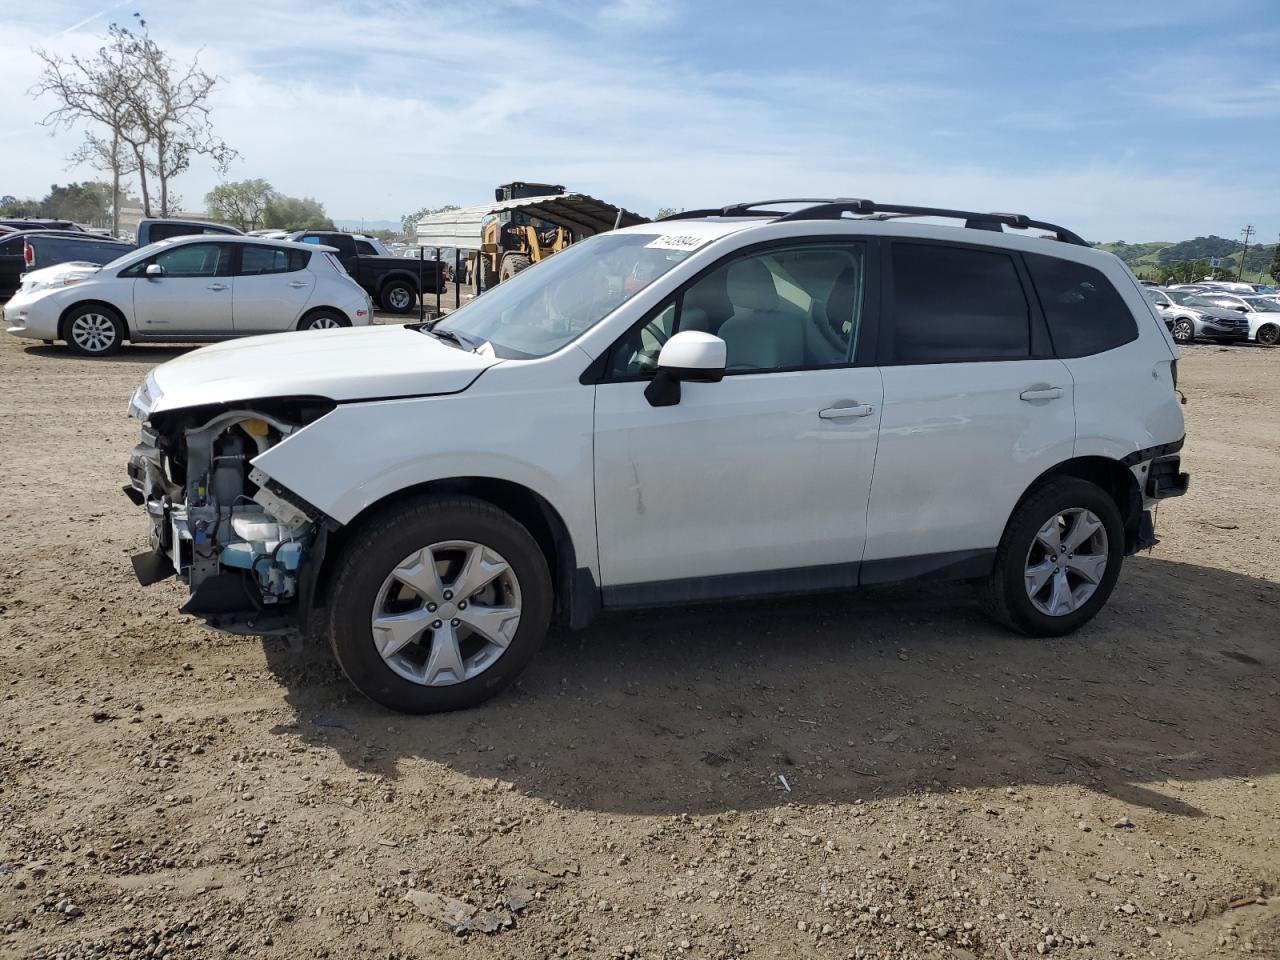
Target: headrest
<point x="750" y="286"/>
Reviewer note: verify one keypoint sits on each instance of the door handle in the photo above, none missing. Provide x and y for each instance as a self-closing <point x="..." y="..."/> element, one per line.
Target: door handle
<point x="298" y="283"/>
<point x="217" y="286"/>
<point x="847" y="413"/>
<point x="1041" y="393"/>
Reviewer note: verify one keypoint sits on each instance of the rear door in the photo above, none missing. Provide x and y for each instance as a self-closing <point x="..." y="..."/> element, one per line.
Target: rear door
<point x="192" y="298"/>
<point x="975" y="407"/>
<point x="271" y="288"/>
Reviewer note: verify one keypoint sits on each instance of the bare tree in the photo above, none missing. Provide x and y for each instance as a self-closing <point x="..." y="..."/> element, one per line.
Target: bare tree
<point x="171" y="104"/>
<point x="148" y="116"/>
<point x="96" y="90"/>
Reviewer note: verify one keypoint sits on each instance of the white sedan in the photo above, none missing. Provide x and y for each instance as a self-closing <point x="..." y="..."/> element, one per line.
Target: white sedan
<point x="193" y="288"/>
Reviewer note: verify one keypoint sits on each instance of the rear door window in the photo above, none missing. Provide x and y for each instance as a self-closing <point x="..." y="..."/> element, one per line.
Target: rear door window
<point x="1084" y="312"/>
<point x="256" y="260"/>
<point x="954" y="304"/>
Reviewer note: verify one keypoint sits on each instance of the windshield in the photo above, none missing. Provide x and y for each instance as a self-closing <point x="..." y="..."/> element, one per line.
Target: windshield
<point x="1180" y="296"/>
<point x="552" y="303"/>
<point x="141" y="253"/>
<point x="1155" y="296"/>
<point x="1205" y="300"/>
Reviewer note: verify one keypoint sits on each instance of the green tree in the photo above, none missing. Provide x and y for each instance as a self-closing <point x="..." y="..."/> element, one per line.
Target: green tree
<point x="81" y="202"/>
<point x="1186" y="271"/>
<point x="242" y="202"/>
<point x="11" y="206"/>
<point x="295" y="213"/>
<point x="666" y="212"/>
<point x="1275" y="264"/>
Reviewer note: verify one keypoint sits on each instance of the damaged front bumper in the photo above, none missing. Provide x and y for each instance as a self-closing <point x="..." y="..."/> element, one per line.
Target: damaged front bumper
<point x="247" y="547"/>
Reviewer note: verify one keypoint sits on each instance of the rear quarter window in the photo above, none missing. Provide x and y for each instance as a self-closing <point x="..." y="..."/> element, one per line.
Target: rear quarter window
<point x="1084" y="312"/>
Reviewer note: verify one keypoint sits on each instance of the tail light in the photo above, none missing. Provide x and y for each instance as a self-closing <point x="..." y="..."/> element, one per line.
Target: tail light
<point x="28" y="254"/>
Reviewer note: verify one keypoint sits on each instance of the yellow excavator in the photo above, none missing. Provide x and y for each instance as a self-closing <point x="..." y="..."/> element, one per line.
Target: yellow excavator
<point x="512" y="240"/>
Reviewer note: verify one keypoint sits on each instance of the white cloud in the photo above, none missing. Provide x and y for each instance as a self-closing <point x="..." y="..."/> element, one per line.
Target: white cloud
<point x="375" y="119"/>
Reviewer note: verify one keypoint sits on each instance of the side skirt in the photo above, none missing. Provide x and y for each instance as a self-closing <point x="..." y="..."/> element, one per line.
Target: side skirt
<point x="955" y="565"/>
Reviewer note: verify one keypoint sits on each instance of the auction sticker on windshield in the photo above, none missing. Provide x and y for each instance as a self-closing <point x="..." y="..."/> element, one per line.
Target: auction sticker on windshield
<point x="678" y="241"/>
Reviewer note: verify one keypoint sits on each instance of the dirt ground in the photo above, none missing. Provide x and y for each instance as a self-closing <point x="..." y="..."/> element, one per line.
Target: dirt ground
<point x="879" y="775"/>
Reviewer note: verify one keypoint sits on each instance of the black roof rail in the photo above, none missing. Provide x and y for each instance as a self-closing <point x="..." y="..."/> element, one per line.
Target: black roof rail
<point x="835" y="208"/>
<point x="743" y="209"/>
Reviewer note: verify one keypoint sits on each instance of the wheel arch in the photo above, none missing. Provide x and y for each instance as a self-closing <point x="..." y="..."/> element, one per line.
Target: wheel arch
<point x="102" y="304"/>
<point x="399" y="276"/>
<point x="322" y="308"/>
<point x="1115" y="479"/>
<point x="577" y="597"/>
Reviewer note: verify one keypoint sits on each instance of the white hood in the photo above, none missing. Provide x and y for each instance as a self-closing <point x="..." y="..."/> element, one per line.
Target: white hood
<point x="55" y="275"/>
<point x="364" y="363"/>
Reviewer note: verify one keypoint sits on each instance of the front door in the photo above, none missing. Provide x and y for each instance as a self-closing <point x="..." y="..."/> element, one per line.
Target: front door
<point x="758" y="483"/>
<point x="271" y="288"/>
<point x="193" y="296"/>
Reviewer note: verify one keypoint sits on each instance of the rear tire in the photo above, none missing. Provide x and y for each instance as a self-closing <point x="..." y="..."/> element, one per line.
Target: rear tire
<point x="513" y="264"/>
<point x="488" y="278"/>
<point x="1006" y="594"/>
<point x="323" y="320"/>
<point x="399" y="297"/>
<point x="93" y="330"/>
<point x="377" y="555"/>
<point x="1269" y="334"/>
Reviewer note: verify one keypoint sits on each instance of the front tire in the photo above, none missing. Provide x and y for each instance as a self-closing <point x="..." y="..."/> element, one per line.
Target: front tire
<point x="1058" y="560"/>
<point x="398" y="297"/>
<point x="438" y="604"/>
<point x="513" y="263"/>
<point x="1184" y="331"/>
<point x="93" y="330"/>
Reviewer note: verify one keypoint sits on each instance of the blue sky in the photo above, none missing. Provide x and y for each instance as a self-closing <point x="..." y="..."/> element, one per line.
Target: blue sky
<point x="1130" y="119"/>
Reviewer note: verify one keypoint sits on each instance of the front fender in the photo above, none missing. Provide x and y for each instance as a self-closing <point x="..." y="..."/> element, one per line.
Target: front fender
<point x="361" y="453"/>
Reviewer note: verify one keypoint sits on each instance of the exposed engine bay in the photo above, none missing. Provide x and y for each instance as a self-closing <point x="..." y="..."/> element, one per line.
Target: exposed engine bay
<point x="246" y="547"/>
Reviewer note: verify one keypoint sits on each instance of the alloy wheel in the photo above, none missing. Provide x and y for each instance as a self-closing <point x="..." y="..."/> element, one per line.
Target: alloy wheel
<point x="1183" y="331"/>
<point x="1066" y="562"/>
<point x="446" y="613"/>
<point x="93" y="332"/>
<point x="399" y="299"/>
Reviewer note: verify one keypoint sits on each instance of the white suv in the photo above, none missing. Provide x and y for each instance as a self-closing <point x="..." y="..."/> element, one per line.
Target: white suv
<point x="188" y="288"/>
<point x="731" y="403"/>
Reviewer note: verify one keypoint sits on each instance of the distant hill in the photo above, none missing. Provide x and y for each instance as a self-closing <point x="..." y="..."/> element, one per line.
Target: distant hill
<point x="1145" y="259"/>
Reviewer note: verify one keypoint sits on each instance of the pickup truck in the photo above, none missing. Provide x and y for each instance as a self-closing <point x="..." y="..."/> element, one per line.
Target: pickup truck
<point x="391" y="281"/>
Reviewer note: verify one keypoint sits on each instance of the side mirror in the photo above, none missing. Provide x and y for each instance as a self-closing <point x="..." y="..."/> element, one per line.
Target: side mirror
<point x="155" y="270"/>
<point x="692" y="355"/>
<point x="1241" y="309"/>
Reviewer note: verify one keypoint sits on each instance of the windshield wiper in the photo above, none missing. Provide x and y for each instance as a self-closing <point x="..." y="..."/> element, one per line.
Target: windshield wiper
<point x="448" y="335"/>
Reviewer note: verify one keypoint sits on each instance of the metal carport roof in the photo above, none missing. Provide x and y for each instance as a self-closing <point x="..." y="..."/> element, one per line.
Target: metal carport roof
<point x="583" y="215"/>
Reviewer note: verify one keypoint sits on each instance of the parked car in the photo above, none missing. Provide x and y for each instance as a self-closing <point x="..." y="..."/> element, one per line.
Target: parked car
<point x="157" y="228"/>
<point x="33" y="249"/>
<point x="39" y="223"/>
<point x="1198" y="317"/>
<point x="777" y="404"/>
<point x="391" y="281"/>
<point x="191" y="288"/>
<point x="1265" y="289"/>
<point x="1261" y="313"/>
